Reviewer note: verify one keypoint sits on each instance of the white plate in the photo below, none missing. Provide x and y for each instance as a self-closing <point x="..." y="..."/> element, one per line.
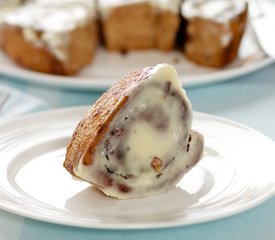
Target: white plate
<point x="235" y="174"/>
<point x="108" y="68"/>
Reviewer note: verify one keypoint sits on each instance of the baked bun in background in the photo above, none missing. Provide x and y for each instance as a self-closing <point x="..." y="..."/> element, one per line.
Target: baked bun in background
<point x="214" y="30"/>
<point x="57" y="37"/>
<point x="139" y="24"/>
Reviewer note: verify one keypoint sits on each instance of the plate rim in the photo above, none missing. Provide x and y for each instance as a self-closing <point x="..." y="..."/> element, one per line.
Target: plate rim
<point x="21" y="74"/>
<point x="13" y="208"/>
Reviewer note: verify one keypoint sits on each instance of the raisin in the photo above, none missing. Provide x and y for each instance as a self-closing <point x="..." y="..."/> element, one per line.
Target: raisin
<point x="124" y="188"/>
<point x="190" y="138"/>
<point x="107" y="181"/>
<point x="117" y="131"/>
<point x="167" y="87"/>
<point x="108" y="169"/>
<point x="188" y="147"/>
<point x="120" y="154"/>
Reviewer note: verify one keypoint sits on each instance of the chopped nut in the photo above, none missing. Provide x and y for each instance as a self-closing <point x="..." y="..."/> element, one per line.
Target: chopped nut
<point x="157" y="164"/>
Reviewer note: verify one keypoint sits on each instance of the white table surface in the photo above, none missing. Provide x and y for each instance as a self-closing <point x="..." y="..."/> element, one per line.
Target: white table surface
<point x="249" y="100"/>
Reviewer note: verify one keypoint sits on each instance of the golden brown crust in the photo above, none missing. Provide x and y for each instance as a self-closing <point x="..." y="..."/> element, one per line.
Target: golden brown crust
<point x="95" y="123"/>
<point x="80" y="50"/>
<point x="129" y="27"/>
<point x="203" y="44"/>
<point x="167" y="25"/>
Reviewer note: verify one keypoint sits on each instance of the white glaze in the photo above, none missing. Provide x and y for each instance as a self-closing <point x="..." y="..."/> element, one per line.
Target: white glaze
<point x="105" y="6"/>
<point x="6" y="7"/>
<point x="145" y="141"/>
<point x="219" y="10"/>
<point x="51" y="16"/>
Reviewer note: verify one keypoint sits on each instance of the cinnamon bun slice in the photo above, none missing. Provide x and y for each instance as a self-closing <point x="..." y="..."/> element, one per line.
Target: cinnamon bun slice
<point x="136" y="140"/>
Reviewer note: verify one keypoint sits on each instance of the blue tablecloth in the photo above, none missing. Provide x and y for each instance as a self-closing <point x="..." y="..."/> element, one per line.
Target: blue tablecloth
<point x="249" y="100"/>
